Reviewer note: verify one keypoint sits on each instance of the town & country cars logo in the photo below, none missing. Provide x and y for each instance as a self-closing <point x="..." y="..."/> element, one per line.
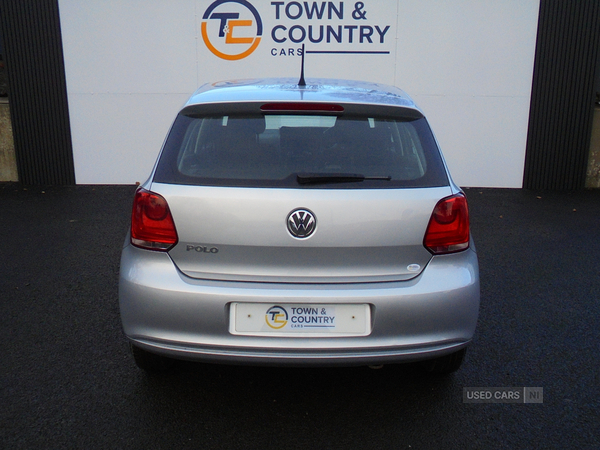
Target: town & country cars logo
<point x="231" y="29"/>
<point x="276" y="317"/>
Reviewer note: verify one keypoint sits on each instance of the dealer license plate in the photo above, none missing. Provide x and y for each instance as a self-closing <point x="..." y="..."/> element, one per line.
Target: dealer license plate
<point x="316" y="320"/>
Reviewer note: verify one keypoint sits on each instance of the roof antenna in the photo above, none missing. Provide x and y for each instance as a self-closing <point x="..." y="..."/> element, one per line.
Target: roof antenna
<point x="301" y="82"/>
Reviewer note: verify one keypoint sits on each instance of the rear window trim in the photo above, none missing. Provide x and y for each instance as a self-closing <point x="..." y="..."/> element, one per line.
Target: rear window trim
<point x="350" y="109"/>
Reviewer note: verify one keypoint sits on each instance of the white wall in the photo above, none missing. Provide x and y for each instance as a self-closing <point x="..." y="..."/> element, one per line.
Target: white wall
<point x="131" y="64"/>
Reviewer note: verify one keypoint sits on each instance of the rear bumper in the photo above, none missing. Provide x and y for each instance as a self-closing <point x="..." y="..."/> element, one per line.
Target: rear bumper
<point x="165" y="312"/>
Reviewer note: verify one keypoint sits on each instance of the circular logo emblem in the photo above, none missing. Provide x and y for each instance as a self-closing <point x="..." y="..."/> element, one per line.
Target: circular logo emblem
<point x="231" y="29"/>
<point x="276" y="317"/>
<point x="301" y="223"/>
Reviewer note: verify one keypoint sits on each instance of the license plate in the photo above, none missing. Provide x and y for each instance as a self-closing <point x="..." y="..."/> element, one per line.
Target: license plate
<point x="315" y="320"/>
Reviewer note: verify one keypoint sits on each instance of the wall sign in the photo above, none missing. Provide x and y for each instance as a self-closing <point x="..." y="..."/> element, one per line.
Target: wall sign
<point x="236" y="29"/>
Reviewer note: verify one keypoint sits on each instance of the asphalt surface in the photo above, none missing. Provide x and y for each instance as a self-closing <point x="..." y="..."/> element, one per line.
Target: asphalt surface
<point x="67" y="379"/>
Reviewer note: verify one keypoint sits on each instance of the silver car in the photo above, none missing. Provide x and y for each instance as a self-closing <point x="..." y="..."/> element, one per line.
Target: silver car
<point x="296" y="224"/>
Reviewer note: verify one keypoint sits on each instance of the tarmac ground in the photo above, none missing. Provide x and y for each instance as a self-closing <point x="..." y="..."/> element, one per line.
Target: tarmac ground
<point x="67" y="379"/>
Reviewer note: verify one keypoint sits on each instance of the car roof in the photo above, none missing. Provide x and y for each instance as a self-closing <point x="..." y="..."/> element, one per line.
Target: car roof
<point x="287" y="89"/>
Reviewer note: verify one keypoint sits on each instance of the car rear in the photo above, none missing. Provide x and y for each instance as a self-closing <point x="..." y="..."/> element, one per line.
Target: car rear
<point x="295" y="225"/>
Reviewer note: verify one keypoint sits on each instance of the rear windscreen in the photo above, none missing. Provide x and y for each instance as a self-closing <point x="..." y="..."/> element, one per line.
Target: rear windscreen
<point x="273" y="150"/>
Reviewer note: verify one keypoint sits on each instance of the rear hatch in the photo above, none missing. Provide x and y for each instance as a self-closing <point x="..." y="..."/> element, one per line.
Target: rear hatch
<point x="370" y="177"/>
<point x="241" y="234"/>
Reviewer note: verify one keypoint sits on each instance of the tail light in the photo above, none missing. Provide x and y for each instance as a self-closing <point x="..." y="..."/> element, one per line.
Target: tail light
<point x="448" y="229"/>
<point x="152" y="225"/>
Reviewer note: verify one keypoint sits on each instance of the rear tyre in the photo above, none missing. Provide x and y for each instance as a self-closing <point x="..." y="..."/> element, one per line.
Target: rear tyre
<point x="445" y="365"/>
<point x="150" y="362"/>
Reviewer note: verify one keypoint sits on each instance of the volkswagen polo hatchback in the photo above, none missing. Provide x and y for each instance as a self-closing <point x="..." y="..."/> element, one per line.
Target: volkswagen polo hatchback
<point x="296" y="224"/>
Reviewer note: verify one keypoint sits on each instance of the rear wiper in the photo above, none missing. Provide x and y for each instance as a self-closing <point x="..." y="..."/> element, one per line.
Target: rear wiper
<point x="318" y="178"/>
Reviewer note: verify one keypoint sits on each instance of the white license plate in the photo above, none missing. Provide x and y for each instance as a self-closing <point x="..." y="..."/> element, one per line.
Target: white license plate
<point x="315" y="320"/>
